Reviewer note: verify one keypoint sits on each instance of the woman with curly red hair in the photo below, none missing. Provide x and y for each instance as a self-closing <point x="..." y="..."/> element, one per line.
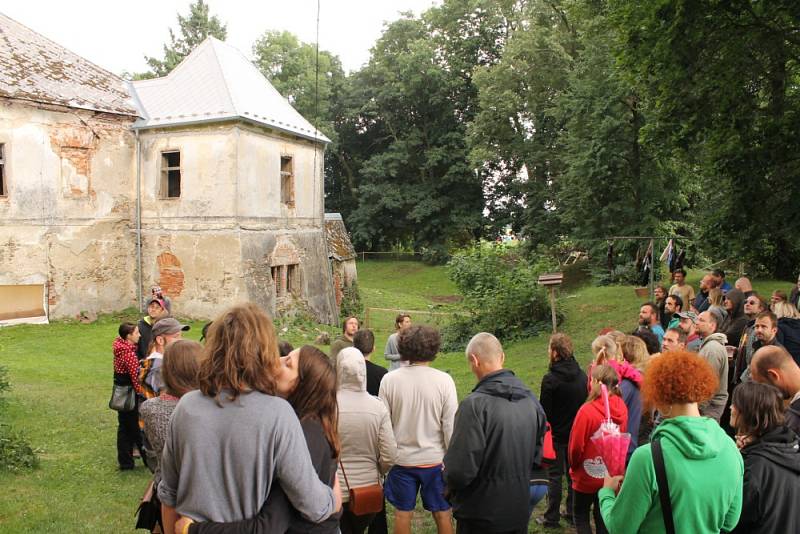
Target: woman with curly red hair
<point x="703" y="467"/>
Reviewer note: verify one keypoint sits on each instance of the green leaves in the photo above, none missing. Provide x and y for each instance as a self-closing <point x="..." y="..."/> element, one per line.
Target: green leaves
<point x="193" y="30"/>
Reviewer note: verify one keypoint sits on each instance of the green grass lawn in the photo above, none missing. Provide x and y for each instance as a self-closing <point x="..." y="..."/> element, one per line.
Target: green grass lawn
<point x="61" y="376"/>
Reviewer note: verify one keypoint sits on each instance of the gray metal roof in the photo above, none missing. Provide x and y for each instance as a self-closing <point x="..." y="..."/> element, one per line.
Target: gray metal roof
<point x="35" y="68"/>
<point x="217" y="82"/>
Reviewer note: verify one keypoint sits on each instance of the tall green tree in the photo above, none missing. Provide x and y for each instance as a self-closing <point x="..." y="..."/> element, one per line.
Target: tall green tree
<point x="515" y="138"/>
<point x="721" y="80"/>
<point x="613" y="183"/>
<point x="193" y="29"/>
<point x="415" y="185"/>
<point x="310" y="84"/>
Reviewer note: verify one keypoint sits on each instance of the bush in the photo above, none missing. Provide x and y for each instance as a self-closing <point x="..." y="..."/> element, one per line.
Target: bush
<point x="501" y="292"/>
<point x="351" y="301"/>
<point x="15" y="451"/>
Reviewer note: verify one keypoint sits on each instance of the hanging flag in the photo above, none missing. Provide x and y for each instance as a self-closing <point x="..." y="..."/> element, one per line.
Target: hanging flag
<point x="667" y="252"/>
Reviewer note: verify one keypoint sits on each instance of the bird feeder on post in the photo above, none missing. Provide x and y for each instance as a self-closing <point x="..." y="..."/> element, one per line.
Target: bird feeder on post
<point x="552" y="281"/>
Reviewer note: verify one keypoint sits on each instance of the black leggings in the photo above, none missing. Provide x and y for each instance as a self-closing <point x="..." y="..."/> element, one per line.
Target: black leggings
<point x="582" y="504"/>
<point x="128" y="437"/>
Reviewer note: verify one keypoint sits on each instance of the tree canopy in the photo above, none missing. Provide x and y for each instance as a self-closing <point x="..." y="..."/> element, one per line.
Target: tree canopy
<point x="567" y="121"/>
<point x="193" y="29"/>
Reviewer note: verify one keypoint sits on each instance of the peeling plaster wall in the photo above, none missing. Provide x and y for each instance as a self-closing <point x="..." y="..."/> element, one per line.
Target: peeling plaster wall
<point x="66" y="219"/>
<point x="205" y="262"/>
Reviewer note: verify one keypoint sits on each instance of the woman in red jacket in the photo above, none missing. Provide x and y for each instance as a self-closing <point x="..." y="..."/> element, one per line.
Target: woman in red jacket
<point x="587" y="468"/>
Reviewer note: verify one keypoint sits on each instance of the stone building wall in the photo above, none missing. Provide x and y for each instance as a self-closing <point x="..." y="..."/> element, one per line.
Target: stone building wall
<point x="66" y="217"/>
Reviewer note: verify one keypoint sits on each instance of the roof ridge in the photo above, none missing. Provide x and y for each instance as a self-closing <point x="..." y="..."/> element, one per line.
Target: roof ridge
<point x="211" y="40"/>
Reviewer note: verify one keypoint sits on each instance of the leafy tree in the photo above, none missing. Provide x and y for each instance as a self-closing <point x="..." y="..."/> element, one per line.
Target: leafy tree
<point x="612" y="183"/>
<point x="415" y="185"/>
<point x="291" y="66"/>
<point x="721" y="81"/>
<point x="515" y="139"/>
<point x="193" y="30"/>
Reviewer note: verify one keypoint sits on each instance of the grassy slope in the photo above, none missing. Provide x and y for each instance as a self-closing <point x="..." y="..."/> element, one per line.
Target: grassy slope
<point x="61" y="377"/>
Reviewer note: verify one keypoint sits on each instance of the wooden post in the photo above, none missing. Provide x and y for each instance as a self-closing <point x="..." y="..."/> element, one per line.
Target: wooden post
<point x="652" y="270"/>
<point x="551" y="281"/>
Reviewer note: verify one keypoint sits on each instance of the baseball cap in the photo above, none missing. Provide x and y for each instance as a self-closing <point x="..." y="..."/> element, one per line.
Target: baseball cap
<point x="686" y="315"/>
<point x="159" y="301"/>
<point x="168" y="325"/>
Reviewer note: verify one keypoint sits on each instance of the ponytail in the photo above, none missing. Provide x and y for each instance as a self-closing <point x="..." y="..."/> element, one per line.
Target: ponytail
<point x="604" y="374"/>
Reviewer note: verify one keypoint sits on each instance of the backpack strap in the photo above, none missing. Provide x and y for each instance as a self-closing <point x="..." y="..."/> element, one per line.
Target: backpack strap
<point x="663" y="486"/>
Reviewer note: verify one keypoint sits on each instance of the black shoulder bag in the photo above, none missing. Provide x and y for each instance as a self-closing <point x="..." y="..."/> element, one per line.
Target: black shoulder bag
<point x="663" y="486"/>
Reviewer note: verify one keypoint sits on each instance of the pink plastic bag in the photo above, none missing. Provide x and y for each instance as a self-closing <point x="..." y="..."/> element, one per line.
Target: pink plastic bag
<point x="610" y="442"/>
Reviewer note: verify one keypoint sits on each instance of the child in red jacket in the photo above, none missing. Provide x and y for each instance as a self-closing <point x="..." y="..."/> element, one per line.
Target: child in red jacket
<point x="587" y="468"/>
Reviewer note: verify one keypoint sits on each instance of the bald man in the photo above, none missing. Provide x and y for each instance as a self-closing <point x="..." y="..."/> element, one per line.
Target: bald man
<point x="492" y="466"/>
<point x="774" y="365"/>
<point x="743" y="284"/>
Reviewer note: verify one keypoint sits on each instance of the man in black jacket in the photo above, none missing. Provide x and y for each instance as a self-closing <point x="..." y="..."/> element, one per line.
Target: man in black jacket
<point x="495" y="452"/>
<point x="563" y="392"/>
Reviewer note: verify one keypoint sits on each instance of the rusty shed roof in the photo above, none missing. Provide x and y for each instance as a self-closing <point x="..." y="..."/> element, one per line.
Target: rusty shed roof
<point x="339" y="245"/>
<point x="35" y="68"/>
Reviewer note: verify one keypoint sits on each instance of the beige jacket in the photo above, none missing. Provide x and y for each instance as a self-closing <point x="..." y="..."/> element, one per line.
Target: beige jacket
<point x="365" y="430"/>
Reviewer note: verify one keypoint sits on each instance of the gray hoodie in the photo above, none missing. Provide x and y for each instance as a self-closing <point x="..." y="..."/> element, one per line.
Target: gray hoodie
<point x="713" y="350"/>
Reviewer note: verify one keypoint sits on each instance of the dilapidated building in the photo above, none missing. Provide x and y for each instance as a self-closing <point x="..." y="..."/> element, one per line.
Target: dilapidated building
<point x="341" y="253"/>
<point x="205" y="182"/>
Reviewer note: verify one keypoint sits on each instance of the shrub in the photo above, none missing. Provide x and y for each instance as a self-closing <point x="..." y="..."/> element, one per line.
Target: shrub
<point x="351" y="301"/>
<point x="501" y="292"/>
<point x="15" y="451"/>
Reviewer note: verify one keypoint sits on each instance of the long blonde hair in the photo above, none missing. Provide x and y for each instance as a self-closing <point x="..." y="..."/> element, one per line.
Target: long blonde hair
<point x="715" y="297"/>
<point x="784" y="308"/>
<point x="603" y="374"/>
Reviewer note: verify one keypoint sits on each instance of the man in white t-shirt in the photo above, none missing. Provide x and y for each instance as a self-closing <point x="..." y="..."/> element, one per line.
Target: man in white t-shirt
<point x="422" y="403"/>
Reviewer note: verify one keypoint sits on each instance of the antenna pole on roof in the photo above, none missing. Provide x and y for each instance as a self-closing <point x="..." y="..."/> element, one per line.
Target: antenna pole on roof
<point x="316" y="111"/>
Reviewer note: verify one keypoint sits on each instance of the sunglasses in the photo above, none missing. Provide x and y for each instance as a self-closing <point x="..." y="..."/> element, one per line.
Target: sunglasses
<point x="751" y="302"/>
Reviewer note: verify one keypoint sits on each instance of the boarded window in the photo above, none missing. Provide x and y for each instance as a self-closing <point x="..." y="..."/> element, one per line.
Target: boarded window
<point x="171" y="174"/>
<point x="293" y="279"/>
<point x="21" y="302"/>
<point x="277" y="279"/>
<point x="287" y="182"/>
<point x="3" y="187"/>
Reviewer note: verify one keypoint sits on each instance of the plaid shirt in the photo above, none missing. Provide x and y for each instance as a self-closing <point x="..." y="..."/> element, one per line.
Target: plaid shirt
<point x="125" y="361"/>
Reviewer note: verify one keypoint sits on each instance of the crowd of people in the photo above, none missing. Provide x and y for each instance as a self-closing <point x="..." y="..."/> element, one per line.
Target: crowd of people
<point x="245" y="433"/>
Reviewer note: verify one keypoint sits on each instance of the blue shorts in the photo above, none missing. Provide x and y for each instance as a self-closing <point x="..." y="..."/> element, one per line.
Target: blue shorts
<point x="403" y="483"/>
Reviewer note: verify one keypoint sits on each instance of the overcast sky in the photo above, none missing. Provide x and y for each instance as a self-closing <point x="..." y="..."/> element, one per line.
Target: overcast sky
<point x="118" y="34"/>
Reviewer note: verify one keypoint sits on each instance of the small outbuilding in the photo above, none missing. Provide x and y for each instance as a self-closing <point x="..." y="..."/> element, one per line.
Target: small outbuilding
<point x="341" y="253"/>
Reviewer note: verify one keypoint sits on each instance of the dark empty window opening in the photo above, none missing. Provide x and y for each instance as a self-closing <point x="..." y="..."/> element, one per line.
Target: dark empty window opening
<point x="3" y="191"/>
<point x="287" y="181"/>
<point x="171" y="174"/>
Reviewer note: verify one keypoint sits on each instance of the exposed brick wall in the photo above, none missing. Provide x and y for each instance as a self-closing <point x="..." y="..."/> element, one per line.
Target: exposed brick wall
<point x="171" y="277"/>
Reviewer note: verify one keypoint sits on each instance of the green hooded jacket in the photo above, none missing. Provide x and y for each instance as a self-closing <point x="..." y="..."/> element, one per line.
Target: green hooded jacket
<point x="704" y="473"/>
